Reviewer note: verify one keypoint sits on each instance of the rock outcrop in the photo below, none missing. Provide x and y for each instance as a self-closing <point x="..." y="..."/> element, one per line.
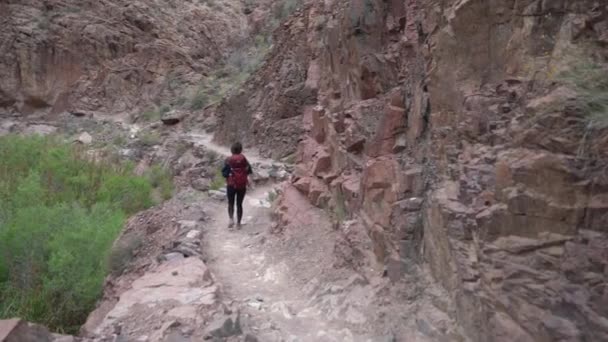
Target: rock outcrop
<point x="463" y="135"/>
<point x="109" y="56"/>
<point x="266" y="111"/>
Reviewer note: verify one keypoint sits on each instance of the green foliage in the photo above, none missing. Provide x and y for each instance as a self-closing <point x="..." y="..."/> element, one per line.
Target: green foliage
<point x="339" y="211"/>
<point x="119" y="140"/>
<point x="43" y="23"/>
<point x="290" y="159"/>
<point x="164" y="109"/>
<point x="218" y="181"/>
<point x="590" y="81"/>
<point x="272" y="196"/>
<point x="59" y="215"/>
<point x="150" y="114"/>
<point x="160" y="178"/>
<point x="199" y="101"/>
<point x="239" y="66"/>
<point x="285" y="8"/>
<point x="180" y="102"/>
<point x="130" y="193"/>
<point x="121" y="253"/>
<point x="150" y="138"/>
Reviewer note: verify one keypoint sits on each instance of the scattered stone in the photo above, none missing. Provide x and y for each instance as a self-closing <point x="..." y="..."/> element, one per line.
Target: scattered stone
<point x="217" y="195"/>
<point x="21" y="331"/>
<point x="201" y="184"/>
<point x="64" y="339"/>
<point x="187" y="224"/>
<point x="173" y="256"/>
<point x="250" y="338"/>
<point x="172" y="117"/>
<point x="225" y="327"/>
<point x="176" y="336"/>
<point x="193" y="234"/>
<point x="261" y="175"/>
<point x="84" y="138"/>
<point x="400" y="144"/>
<point x="255" y="305"/>
<point x="80" y="113"/>
<point x="174" y="273"/>
<point x="283" y="308"/>
<point x="186" y="250"/>
<point x="40" y="129"/>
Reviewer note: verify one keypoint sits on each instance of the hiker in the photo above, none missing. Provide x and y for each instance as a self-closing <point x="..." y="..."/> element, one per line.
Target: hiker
<point x="235" y="170"/>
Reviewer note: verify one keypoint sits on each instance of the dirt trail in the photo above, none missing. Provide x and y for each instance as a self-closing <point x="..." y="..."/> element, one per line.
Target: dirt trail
<point x="262" y="285"/>
<point x="259" y="284"/>
<point x="206" y="140"/>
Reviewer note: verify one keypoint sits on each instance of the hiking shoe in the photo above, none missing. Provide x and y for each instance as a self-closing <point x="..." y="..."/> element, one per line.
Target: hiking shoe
<point x="231" y="223"/>
<point x="238" y="225"/>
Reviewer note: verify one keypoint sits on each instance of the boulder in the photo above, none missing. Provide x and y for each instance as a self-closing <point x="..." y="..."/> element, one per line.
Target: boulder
<point x="172" y="117"/>
<point x="201" y="184"/>
<point x="217" y="195"/>
<point x="225" y="327"/>
<point x="84" y="138"/>
<point x="16" y="330"/>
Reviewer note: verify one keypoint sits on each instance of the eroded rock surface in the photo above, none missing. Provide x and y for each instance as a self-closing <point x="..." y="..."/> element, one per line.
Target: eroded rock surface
<point x="450" y="133"/>
<point x="109" y="56"/>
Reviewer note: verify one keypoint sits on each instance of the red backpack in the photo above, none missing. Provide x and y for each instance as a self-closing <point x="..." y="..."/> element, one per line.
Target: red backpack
<point x="238" y="172"/>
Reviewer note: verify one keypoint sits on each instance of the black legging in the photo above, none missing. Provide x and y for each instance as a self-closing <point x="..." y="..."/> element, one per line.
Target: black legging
<point x="239" y="195"/>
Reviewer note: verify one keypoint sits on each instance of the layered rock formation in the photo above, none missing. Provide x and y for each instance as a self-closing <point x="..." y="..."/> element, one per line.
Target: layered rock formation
<point x="267" y="109"/>
<point x="109" y="56"/>
<point x="448" y="130"/>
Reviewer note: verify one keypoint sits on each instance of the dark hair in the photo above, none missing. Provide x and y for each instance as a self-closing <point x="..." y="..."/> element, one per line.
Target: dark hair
<point x="236" y="148"/>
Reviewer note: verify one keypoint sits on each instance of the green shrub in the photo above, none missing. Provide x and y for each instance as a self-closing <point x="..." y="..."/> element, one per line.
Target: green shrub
<point x="131" y="194"/>
<point x="164" y="109"/>
<point x="59" y="216"/>
<point x="199" y="101"/>
<point x="160" y="178"/>
<point x="218" y="181"/>
<point x="151" y="114"/>
<point x="180" y="102"/>
<point x="150" y="138"/>
<point x="121" y="253"/>
<point x="285" y="8"/>
<point x="590" y="82"/>
<point x="272" y="196"/>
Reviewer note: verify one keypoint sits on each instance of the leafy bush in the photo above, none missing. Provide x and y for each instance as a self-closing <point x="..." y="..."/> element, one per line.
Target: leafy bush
<point x="160" y="178"/>
<point x="180" y="102"/>
<point x="150" y="138"/>
<point x="218" y="181"/>
<point x="591" y="85"/>
<point x="164" y="109"/>
<point x="122" y="252"/>
<point x="59" y="215"/>
<point x="199" y="101"/>
<point x="151" y="114"/>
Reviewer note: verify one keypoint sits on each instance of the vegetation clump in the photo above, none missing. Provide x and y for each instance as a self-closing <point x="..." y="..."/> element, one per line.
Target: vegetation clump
<point x="590" y="81"/>
<point x="60" y="213"/>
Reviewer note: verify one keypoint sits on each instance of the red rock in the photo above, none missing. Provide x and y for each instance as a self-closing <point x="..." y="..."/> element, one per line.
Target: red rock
<point x="322" y="163"/>
<point x="303" y="185"/>
<point x="391" y="125"/>
<point x="318" y="124"/>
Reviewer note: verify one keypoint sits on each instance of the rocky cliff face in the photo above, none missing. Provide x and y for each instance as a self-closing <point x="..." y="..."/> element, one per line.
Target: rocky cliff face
<point x="109" y="56"/>
<point x="468" y="137"/>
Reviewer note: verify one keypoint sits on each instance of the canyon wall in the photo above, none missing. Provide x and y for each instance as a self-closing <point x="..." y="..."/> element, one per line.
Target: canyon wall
<point x="467" y="137"/>
<point x="110" y="56"/>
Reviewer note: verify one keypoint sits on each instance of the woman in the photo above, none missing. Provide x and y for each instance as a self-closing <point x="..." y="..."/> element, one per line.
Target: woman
<point x="236" y="169"/>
